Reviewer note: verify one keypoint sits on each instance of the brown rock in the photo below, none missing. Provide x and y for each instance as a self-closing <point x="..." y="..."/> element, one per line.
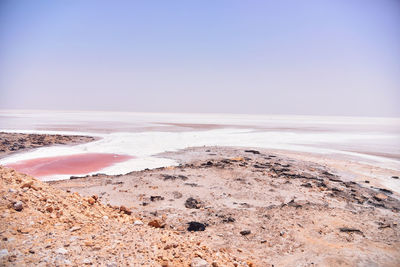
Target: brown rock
<point x="91" y="201"/>
<point x="49" y="209"/>
<point x="125" y="210"/>
<point x="156" y="224"/>
<point x="28" y="184"/>
<point x="380" y="197"/>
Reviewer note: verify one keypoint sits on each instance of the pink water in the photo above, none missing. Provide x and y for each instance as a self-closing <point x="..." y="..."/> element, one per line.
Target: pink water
<point x="70" y="165"/>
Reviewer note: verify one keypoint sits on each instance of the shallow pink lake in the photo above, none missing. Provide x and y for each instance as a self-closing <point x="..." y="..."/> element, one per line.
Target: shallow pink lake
<point x="71" y="164"/>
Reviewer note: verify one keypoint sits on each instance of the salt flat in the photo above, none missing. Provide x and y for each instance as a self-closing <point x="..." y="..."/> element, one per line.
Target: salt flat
<point x="374" y="141"/>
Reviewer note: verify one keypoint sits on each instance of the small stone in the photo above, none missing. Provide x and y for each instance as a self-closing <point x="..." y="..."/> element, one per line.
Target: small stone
<point x="28" y="184"/>
<point x="3" y="253"/>
<point x="395" y="177"/>
<point x="24" y="230"/>
<point x="138" y="222"/>
<point x="75" y="228"/>
<point x="245" y="232"/>
<point x="18" y="206"/>
<point x="380" y="197"/>
<point x="199" y="262"/>
<point x="177" y="194"/>
<point x="156" y="224"/>
<point x="196" y="226"/>
<point x="192" y="203"/>
<point x="11" y="190"/>
<point x="73" y="238"/>
<point x="49" y="209"/>
<point x="91" y="201"/>
<point x="125" y="210"/>
<point x="87" y="261"/>
<point x="62" y="251"/>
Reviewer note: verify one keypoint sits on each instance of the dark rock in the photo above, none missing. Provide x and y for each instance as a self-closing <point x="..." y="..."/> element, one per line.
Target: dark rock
<point x="245" y="232"/>
<point x="228" y="219"/>
<point x="18" y="206"/>
<point x="307" y="185"/>
<point x="395" y="177"/>
<point x="226" y="161"/>
<point x="156" y="198"/>
<point x="196" y="226"/>
<point x="385" y="191"/>
<point x="174" y="177"/>
<point x="192" y="203"/>
<point x="350" y="230"/>
<point x="192" y="184"/>
<point x="257" y="166"/>
<point x="252" y="151"/>
<point x="335" y="180"/>
<point x="125" y="210"/>
<point x="294" y="204"/>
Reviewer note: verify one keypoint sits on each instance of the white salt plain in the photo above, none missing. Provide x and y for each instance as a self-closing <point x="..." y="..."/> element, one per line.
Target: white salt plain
<point x="375" y="141"/>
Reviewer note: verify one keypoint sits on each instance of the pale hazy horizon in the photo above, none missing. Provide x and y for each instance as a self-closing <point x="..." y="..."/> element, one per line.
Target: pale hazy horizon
<point x="336" y="58"/>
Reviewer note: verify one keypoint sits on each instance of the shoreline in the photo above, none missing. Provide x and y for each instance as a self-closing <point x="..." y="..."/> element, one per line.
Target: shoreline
<point x="12" y="143"/>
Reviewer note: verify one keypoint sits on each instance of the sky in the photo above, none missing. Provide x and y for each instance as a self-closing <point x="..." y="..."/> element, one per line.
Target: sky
<point x="311" y="57"/>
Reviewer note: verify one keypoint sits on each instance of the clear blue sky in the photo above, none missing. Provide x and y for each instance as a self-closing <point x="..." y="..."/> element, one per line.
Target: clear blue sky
<point x="338" y="57"/>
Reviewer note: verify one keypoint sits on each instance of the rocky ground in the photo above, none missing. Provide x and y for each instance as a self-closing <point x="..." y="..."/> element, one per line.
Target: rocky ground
<point x="17" y="142"/>
<point x="221" y="206"/>
<point x="44" y="226"/>
<point x="259" y="207"/>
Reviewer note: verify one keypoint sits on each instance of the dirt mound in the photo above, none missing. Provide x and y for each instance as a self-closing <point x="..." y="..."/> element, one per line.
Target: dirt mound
<point x="46" y="226"/>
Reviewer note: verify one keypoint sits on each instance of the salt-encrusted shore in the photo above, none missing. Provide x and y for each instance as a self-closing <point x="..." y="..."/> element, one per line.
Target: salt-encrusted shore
<point x="18" y="142"/>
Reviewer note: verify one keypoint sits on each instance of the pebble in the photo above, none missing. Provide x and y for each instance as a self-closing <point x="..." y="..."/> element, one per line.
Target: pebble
<point x="380" y="197"/>
<point x="73" y="238"/>
<point x="3" y="253"/>
<point x="75" y="228"/>
<point x="196" y="226"/>
<point x="155" y="224"/>
<point x="62" y="251"/>
<point x="18" y="206"/>
<point x="91" y="201"/>
<point x="245" y="232"/>
<point x="199" y="262"/>
<point x="86" y="261"/>
<point x="138" y="222"/>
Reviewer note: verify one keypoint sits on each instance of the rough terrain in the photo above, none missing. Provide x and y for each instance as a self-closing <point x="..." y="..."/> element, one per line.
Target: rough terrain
<point x="44" y="226"/>
<point x="17" y="142"/>
<point x="258" y="206"/>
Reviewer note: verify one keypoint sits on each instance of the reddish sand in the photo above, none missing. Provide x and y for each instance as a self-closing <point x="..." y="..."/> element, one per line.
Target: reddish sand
<point x="72" y="164"/>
